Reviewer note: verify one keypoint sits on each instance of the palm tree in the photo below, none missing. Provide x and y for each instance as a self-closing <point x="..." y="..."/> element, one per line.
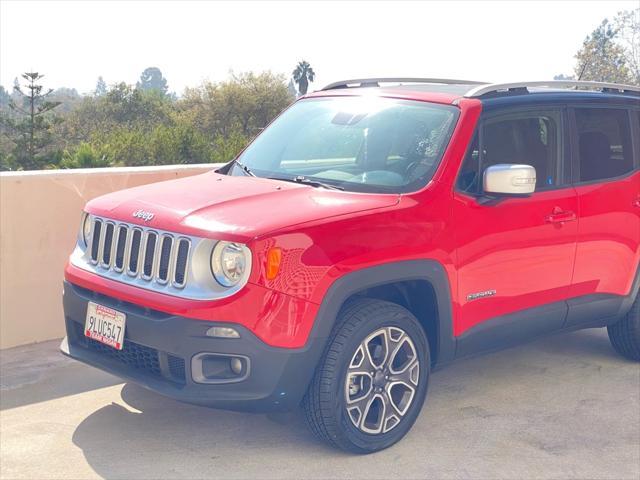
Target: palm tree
<point x="302" y="75"/>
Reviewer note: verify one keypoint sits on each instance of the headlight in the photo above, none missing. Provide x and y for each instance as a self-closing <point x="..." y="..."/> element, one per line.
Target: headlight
<point x="229" y="263"/>
<point x="85" y="228"/>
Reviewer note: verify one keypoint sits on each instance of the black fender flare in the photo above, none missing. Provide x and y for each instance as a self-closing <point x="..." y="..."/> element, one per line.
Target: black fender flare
<point x="629" y="300"/>
<point x="350" y="284"/>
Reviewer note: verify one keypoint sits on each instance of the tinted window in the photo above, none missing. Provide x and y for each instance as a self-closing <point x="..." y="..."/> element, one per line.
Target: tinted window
<point x="525" y="138"/>
<point x="604" y="143"/>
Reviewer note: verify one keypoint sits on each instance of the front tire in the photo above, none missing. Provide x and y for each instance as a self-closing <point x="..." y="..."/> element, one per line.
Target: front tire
<point x="371" y="383"/>
<point x="625" y="334"/>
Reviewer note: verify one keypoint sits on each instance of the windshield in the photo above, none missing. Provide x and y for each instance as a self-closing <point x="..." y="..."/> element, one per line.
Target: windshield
<point x="366" y="144"/>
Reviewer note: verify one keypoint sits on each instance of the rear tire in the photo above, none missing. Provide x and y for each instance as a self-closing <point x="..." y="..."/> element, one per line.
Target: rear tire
<point x="625" y="334"/>
<point x="372" y="381"/>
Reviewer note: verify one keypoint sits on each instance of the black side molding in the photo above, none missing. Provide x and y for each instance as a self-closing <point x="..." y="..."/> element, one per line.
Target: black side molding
<point x="589" y="311"/>
<point x="513" y="329"/>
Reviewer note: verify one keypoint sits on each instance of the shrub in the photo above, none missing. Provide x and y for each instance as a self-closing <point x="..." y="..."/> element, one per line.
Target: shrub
<point x="84" y="155"/>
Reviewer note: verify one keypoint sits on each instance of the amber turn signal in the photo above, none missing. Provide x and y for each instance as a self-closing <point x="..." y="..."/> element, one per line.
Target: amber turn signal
<point x="274" y="256"/>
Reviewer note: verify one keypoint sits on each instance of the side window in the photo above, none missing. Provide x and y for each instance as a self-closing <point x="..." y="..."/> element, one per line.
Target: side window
<point x="604" y="143"/>
<point x="530" y="138"/>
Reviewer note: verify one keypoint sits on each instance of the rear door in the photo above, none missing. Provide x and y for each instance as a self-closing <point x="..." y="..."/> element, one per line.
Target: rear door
<point x="607" y="180"/>
<point x="514" y="254"/>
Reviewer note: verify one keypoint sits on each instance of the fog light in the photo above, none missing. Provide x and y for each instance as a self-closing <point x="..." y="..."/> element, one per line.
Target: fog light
<point x="223" y="332"/>
<point x="236" y="365"/>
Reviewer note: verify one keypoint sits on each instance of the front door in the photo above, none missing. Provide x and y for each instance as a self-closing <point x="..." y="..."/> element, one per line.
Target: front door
<point x="515" y="254"/>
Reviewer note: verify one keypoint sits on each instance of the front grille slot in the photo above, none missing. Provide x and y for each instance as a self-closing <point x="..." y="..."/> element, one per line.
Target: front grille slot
<point x="95" y="240"/>
<point x="134" y="252"/>
<point x="149" y="255"/>
<point x="108" y="243"/>
<point x="141" y="253"/>
<point x="179" y="276"/>
<point x="121" y="246"/>
<point x="165" y="258"/>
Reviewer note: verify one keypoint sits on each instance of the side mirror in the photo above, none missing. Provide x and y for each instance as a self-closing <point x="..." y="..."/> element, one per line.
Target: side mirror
<point x="509" y="179"/>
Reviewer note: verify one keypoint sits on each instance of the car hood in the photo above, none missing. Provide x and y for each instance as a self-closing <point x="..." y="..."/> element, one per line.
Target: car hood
<point x="231" y="208"/>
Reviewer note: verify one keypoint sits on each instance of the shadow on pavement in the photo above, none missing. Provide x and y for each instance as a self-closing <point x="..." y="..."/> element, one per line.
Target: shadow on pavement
<point x="39" y="372"/>
<point x="151" y="436"/>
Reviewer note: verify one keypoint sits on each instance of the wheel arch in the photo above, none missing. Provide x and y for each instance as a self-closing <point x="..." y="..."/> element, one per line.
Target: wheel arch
<point x="421" y="286"/>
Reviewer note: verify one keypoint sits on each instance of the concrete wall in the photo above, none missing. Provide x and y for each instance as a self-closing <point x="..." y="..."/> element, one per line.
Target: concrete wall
<point x="39" y="220"/>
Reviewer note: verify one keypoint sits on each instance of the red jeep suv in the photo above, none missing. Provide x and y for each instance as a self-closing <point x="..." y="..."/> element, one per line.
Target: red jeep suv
<point x="376" y="230"/>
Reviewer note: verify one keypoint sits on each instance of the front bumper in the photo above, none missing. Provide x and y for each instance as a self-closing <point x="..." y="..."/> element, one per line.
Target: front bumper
<point x="159" y="348"/>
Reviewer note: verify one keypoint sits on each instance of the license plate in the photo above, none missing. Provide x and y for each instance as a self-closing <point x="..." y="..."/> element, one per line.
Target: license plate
<point x="105" y="325"/>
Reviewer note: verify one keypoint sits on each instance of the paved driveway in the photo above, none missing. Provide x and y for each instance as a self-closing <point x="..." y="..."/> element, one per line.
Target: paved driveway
<point x="562" y="407"/>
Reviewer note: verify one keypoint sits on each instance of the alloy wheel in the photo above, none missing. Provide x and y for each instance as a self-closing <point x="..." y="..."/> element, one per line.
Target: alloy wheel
<point x="381" y="380"/>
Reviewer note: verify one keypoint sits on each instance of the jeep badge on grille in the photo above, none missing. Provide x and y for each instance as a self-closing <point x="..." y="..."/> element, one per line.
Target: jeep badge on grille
<point x="146" y="216"/>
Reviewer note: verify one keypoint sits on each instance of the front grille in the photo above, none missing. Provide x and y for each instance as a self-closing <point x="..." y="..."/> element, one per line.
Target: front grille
<point x="136" y="356"/>
<point x="145" y="253"/>
<point x="176" y="368"/>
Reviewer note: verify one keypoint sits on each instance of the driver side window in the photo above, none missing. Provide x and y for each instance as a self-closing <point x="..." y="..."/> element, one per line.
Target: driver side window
<point x="528" y="138"/>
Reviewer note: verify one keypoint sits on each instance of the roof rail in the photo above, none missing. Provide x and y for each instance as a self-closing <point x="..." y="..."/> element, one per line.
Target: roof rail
<point x="375" y="82"/>
<point x="499" y="87"/>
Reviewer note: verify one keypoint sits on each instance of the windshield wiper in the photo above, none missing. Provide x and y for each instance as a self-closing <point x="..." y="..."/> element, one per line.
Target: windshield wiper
<point x="244" y="168"/>
<point x="308" y="181"/>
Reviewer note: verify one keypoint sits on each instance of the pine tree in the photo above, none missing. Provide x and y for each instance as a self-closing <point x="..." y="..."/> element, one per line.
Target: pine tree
<point x="31" y="125"/>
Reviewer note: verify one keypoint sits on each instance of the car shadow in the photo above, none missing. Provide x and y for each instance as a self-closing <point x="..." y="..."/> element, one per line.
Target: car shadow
<point x="39" y="372"/>
<point x="150" y="436"/>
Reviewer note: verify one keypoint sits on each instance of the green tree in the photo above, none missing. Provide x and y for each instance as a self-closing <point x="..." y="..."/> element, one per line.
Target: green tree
<point x="302" y="75"/>
<point x="152" y="79"/>
<point x="628" y="26"/>
<point x="127" y="125"/>
<point x="5" y="98"/>
<point x="243" y="105"/>
<point x="226" y="148"/>
<point x="121" y="106"/>
<point x="69" y="99"/>
<point x="32" y="123"/>
<point x="101" y="87"/>
<point x="6" y="143"/>
<point x="601" y="58"/>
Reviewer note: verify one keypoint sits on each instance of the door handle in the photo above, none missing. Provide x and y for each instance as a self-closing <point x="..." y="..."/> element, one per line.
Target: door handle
<point x="560" y="216"/>
<point x="636" y="202"/>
